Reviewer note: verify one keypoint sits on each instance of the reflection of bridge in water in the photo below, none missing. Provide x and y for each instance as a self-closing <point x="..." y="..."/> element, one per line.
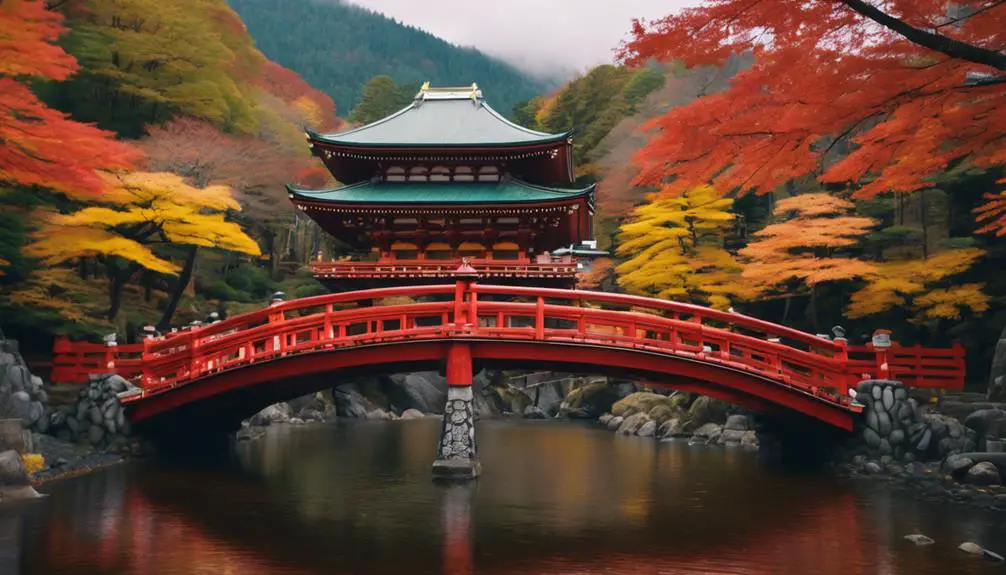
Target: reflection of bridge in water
<point x="597" y="511"/>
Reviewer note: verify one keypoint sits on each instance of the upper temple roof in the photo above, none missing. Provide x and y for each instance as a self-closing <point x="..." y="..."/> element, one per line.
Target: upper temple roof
<point x="441" y="117"/>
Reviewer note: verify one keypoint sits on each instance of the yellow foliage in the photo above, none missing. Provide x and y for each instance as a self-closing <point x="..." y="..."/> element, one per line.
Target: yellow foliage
<point x="33" y="462"/>
<point x="909" y="284"/>
<point x="3" y="263"/>
<point x="309" y="110"/>
<point x="141" y="208"/>
<point x="674" y="249"/>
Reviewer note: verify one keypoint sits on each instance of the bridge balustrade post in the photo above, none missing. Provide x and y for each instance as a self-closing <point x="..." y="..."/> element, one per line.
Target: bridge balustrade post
<point x="456" y="452"/>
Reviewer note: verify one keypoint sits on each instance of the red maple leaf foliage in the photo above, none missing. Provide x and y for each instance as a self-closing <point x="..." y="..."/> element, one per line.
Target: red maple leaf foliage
<point x="878" y="96"/>
<point x="40" y="146"/>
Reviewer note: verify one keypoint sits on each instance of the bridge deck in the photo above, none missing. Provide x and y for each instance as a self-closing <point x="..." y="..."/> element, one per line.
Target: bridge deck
<point x="470" y="311"/>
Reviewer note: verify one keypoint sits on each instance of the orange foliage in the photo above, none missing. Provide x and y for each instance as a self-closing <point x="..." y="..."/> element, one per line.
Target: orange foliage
<point x="316" y="106"/>
<point x="800" y="247"/>
<point x="993" y="214"/>
<point x="40" y="146"/>
<point x="826" y="76"/>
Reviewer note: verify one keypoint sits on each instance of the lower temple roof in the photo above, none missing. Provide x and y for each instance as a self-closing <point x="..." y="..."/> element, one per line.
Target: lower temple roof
<point x="506" y="191"/>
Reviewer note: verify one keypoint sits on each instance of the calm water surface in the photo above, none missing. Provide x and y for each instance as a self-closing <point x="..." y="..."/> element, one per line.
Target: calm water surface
<point x="555" y="498"/>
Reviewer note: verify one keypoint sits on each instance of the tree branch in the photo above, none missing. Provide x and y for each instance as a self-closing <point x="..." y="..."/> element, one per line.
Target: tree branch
<point x="938" y="42"/>
<point x="972" y="14"/>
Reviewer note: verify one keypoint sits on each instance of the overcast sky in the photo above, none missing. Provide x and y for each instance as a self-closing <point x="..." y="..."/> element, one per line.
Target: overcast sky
<point x="538" y="35"/>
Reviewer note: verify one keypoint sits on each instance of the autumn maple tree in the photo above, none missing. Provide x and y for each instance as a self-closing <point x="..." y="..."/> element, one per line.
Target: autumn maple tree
<point x="804" y="245"/>
<point x="140" y="211"/>
<point x="674" y="247"/>
<point x="876" y="96"/>
<point x="40" y="146"/>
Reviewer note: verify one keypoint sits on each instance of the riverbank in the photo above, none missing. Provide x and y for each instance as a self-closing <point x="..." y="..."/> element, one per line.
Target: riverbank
<point x="948" y="469"/>
<point x="64" y="460"/>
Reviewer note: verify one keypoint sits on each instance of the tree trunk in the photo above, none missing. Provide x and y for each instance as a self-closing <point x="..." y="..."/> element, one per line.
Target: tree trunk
<point x="117" y="279"/>
<point x="813" y="308"/>
<point x="176" y="294"/>
<point x="148" y="286"/>
<point x="785" y="309"/>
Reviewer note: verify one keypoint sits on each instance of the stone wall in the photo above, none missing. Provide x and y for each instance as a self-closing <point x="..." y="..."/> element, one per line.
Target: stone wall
<point x="97" y="417"/>
<point x="893" y="424"/>
<point x="21" y="393"/>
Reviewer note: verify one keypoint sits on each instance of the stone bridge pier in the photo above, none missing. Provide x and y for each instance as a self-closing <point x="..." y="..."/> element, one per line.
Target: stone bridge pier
<point x="457" y="456"/>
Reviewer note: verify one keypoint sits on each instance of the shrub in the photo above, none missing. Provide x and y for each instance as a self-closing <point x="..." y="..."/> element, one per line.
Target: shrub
<point x="33" y="462"/>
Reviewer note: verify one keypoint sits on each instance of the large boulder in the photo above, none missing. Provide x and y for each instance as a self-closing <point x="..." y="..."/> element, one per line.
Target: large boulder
<point x="631" y="424"/>
<point x="15" y="480"/>
<point x="534" y="412"/>
<point x="984" y="473"/>
<point x="412" y="414"/>
<point x="710" y="432"/>
<point x="987" y="422"/>
<point x="706" y="410"/>
<point x="12" y="469"/>
<point x="737" y="422"/>
<point x="276" y="413"/>
<point x="594" y="398"/>
<point x="350" y="402"/>
<point x="647" y="429"/>
<point x="425" y="391"/>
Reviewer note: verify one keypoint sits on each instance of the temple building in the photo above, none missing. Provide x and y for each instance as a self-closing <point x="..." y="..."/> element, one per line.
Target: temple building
<point x="446" y="178"/>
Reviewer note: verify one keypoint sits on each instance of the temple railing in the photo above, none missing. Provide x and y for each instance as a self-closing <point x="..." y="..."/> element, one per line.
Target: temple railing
<point x="467" y="310"/>
<point x="438" y="269"/>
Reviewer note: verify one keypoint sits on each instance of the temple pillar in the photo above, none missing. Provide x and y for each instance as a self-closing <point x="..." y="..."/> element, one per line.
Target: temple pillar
<point x="456" y="452"/>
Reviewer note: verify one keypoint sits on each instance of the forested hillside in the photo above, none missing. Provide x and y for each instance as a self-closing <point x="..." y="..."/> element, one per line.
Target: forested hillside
<point x="338" y="47"/>
<point x="172" y="206"/>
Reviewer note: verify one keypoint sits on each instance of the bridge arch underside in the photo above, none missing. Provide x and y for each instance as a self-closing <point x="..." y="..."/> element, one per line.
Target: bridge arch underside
<point x="223" y="399"/>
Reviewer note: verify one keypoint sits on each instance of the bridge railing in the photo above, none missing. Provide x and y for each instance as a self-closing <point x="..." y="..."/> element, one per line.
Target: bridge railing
<point x="916" y="366"/>
<point x="470" y="310"/>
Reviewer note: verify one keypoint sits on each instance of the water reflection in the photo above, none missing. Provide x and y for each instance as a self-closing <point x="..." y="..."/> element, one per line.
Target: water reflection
<point x="553" y="499"/>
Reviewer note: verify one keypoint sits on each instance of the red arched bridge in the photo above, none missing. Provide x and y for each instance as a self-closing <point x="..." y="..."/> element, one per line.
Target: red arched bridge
<point x="756" y="364"/>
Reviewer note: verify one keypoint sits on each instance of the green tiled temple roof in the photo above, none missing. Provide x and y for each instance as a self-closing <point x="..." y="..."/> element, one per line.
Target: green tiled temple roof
<point x="441" y="117"/>
<point x="426" y="193"/>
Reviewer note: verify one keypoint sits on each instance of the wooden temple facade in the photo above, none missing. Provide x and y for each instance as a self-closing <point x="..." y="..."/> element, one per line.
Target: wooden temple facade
<point x="443" y="180"/>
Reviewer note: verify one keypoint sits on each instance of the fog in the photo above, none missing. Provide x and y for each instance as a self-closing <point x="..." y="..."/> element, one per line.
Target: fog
<point x="542" y="37"/>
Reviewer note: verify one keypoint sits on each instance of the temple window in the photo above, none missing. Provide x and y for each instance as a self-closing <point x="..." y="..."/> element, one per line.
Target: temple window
<point x="472" y="250"/>
<point x="439" y="251"/>
<point x="506" y="251"/>
<point x="404" y="250"/>
<point x="418" y="174"/>
<point x="395" y="174"/>
<point x="440" y="174"/>
<point x="464" y="174"/>
<point x="489" y="174"/>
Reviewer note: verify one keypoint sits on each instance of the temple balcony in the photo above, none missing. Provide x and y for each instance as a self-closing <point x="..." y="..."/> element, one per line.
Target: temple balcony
<point x="562" y="269"/>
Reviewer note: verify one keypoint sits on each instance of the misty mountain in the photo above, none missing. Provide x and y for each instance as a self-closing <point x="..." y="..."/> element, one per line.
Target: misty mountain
<point x="338" y="47"/>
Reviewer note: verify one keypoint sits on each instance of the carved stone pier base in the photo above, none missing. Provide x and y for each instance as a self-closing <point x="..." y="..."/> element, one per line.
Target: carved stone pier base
<point x="456" y="453"/>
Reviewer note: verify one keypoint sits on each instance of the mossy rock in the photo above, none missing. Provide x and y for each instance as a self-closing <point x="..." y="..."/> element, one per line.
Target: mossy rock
<point x="594" y="398"/>
<point x="510" y="398"/>
<point x="641" y="401"/>
<point x="706" y="410"/>
<point x="663" y="412"/>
